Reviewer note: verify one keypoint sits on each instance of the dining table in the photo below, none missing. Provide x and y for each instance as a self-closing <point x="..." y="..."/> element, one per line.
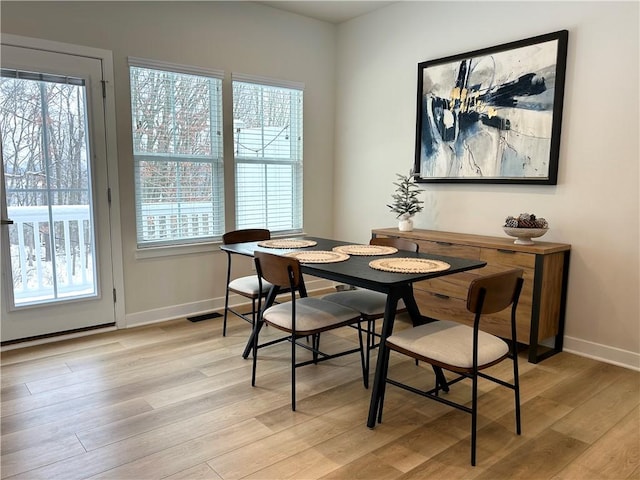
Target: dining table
<point x="356" y="270"/>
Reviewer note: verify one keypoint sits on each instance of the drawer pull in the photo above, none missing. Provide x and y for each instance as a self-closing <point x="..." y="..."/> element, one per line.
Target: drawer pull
<point x="441" y="295"/>
<point x="445" y="244"/>
<point x="505" y="251"/>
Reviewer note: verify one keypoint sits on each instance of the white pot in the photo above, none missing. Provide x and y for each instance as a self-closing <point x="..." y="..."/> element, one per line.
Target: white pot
<point x="405" y="224"/>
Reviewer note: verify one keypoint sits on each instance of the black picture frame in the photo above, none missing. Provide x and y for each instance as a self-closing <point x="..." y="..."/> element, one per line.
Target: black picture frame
<point x="492" y="115"/>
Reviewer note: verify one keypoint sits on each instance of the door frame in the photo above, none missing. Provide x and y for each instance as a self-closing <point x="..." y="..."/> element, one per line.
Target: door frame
<point x="106" y="57"/>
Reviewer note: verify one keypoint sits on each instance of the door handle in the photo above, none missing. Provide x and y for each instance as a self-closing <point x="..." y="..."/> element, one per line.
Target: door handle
<point x="6" y="222"/>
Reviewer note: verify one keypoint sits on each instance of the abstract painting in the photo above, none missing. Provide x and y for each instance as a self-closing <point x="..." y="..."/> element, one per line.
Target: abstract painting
<point x="492" y="115"/>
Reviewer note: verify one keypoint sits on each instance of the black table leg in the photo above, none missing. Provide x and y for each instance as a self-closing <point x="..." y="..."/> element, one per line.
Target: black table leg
<point x="271" y="298"/>
<point x="377" y="393"/>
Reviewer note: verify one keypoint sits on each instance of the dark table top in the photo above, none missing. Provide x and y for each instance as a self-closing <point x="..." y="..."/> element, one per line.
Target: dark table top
<point x="356" y="270"/>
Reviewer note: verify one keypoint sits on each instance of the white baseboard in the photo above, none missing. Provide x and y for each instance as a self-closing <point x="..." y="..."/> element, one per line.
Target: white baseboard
<point x="172" y="312"/>
<point x="164" y="314"/>
<point x="603" y="353"/>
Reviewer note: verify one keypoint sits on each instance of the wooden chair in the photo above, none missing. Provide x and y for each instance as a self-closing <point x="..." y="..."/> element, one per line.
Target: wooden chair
<point x="300" y="317"/>
<point x="370" y="304"/>
<point x="247" y="286"/>
<point x="463" y="349"/>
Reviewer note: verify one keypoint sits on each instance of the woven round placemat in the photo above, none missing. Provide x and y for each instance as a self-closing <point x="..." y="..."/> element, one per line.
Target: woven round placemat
<point x="287" y="243"/>
<point x="365" y="249"/>
<point x="319" y="256"/>
<point x="409" y="265"/>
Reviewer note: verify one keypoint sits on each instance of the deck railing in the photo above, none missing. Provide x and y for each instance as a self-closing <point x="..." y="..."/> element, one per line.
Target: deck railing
<point x="51" y="263"/>
<point x="36" y="254"/>
<point x="187" y="220"/>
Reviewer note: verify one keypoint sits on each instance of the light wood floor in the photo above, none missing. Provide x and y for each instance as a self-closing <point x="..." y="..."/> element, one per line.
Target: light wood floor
<point x="174" y="401"/>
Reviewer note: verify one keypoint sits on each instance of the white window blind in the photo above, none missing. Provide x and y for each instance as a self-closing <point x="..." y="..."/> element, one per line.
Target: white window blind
<point x="177" y="150"/>
<point x="267" y="129"/>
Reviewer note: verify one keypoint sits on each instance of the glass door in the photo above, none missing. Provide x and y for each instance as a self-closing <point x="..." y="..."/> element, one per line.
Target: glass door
<point x="56" y="265"/>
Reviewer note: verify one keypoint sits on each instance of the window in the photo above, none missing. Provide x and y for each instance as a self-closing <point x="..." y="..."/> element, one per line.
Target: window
<point x="44" y="130"/>
<point x="267" y="147"/>
<point x="177" y="150"/>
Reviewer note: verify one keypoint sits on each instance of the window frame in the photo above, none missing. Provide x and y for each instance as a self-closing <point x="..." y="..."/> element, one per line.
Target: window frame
<point x="216" y="160"/>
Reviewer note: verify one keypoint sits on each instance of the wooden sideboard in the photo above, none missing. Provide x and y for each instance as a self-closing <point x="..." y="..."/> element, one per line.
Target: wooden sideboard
<point x="541" y="309"/>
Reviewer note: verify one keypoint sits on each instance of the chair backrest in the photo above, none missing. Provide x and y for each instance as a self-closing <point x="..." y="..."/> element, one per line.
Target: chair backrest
<point x="399" y="243"/>
<point x="279" y="270"/>
<point x="246" y="235"/>
<point x="493" y="293"/>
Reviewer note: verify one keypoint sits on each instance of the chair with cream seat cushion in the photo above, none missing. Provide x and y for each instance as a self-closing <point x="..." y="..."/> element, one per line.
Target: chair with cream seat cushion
<point x="370" y="304"/>
<point x="462" y="349"/>
<point x="302" y="316"/>
<point x="247" y="286"/>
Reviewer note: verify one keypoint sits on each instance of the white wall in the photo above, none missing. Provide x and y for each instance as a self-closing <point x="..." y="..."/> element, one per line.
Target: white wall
<point x="240" y="37"/>
<point x="594" y="207"/>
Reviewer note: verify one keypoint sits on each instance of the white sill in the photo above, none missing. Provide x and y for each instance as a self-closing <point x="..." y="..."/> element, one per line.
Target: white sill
<point x="190" y="249"/>
<point x="176" y="250"/>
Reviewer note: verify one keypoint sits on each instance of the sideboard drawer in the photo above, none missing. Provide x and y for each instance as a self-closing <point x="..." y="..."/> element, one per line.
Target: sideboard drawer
<point x="440" y="306"/>
<point x="508" y="258"/>
<point x="456" y="285"/>
<point x="449" y="249"/>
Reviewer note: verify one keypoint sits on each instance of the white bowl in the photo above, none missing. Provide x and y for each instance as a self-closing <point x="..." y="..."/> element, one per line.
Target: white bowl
<point x="524" y="235"/>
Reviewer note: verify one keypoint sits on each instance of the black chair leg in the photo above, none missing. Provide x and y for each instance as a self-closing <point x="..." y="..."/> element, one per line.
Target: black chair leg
<point x="256" y="332"/>
<point x="253" y="311"/>
<point x="226" y="310"/>
<point x="293" y="372"/>
<point x="441" y="380"/>
<point x="371" y="339"/>
<point x="474" y="418"/>
<point x="516" y="385"/>
<point x="315" y="345"/>
<point x="364" y="362"/>
<point x="226" y="296"/>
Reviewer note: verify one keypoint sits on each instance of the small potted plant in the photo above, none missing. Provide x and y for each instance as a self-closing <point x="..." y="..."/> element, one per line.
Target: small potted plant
<point x="405" y="201"/>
